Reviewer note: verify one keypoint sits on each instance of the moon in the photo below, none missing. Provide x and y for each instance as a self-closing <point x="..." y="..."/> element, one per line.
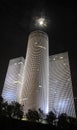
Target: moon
<point x="41" y="22"/>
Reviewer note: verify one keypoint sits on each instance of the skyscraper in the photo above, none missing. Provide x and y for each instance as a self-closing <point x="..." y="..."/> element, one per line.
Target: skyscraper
<point x="60" y="85"/>
<point x="41" y="81"/>
<point x="13" y="79"/>
<point x="35" y="83"/>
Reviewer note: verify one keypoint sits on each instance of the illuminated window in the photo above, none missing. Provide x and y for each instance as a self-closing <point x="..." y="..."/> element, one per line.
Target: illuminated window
<point x="20" y="63"/>
<point x="16" y="82"/>
<point x="42" y="47"/>
<point x="40" y="86"/>
<point x="61" y="57"/>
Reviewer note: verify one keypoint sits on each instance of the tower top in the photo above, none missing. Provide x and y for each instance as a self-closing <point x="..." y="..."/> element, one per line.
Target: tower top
<point x="38" y="33"/>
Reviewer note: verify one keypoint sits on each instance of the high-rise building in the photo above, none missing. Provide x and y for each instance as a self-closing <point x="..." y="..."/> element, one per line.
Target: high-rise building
<point x="13" y="79"/>
<point x="41" y="81"/>
<point x="35" y="82"/>
<point x="60" y="85"/>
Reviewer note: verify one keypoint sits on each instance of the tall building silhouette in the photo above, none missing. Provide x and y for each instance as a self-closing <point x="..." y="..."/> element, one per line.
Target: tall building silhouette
<point x="35" y="83"/>
<point x="12" y="84"/>
<point x="60" y="85"/>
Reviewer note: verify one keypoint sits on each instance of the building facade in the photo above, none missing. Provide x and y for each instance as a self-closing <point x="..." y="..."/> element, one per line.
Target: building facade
<point x="35" y="82"/>
<point x="40" y="81"/>
<point x="12" y="84"/>
<point x="60" y="85"/>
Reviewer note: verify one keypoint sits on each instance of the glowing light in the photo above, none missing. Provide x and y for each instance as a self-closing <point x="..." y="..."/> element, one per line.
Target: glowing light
<point x="41" y="22"/>
<point x="61" y="57"/>
<point x="40" y="86"/>
<point x="16" y="82"/>
<point x="20" y="63"/>
<point x="42" y="47"/>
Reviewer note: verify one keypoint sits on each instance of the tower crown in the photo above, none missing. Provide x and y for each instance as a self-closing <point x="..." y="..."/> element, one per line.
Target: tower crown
<point x="38" y="33"/>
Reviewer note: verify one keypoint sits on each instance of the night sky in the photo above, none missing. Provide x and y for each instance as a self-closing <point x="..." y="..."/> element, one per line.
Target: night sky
<point x="17" y="20"/>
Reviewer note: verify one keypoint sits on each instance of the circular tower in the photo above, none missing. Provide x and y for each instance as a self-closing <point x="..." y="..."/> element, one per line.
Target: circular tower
<point x="35" y="86"/>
